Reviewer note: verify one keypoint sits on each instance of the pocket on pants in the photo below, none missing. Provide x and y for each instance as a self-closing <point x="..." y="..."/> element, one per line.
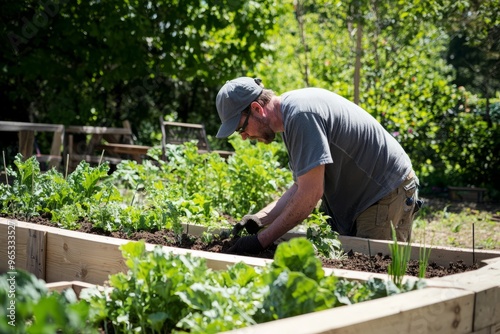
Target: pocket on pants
<point x="384" y="207"/>
<point x="382" y="214"/>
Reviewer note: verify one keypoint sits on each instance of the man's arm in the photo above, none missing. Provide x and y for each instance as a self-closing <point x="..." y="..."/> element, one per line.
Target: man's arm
<point x="294" y="206"/>
<point x="268" y="214"/>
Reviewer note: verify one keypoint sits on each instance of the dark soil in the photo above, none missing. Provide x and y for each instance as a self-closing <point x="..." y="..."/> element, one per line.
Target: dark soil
<point x="377" y="263"/>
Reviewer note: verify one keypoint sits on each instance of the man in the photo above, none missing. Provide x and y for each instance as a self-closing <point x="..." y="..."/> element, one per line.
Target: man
<point x="338" y="153"/>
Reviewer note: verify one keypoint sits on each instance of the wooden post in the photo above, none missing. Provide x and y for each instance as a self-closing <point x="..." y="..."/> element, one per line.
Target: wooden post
<point x="35" y="259"/>
<point x="55" y="150"/>
<point x="26" y="140"/>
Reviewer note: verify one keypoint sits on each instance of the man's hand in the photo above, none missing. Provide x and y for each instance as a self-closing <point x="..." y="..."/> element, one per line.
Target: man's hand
<point x="251" y="223"/>
<point x="249" y="244"/>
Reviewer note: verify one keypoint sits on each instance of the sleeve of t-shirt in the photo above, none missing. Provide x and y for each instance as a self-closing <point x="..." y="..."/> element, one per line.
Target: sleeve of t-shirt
<point x="308" y="143"/>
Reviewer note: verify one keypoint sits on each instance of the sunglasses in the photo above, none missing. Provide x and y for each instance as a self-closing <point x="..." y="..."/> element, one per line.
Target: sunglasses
<point x="245" y="124"/>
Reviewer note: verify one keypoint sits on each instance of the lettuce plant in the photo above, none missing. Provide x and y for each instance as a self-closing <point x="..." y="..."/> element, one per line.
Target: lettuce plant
<point x="39" y="311"/>
<point x="167" y="293"/>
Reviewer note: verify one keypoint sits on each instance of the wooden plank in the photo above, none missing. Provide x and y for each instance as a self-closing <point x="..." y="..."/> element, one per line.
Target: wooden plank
<point x="97" y="130"/>
<point x="485" y="284"/>
<point x="35" y="260"/>
<point x="440" y="255"/>
<point x="431" y="310"/>
<point x="20" y="244"/>
<point x="71" y="256"/>
<point x="91" y="258"/>
<point x="76" y="286"/>
<point x="487" y="311"/>
<point x="56" y="149"/>
<point x="224" y="154"/>
<point x="52" y="160"/>
<point x="26" y="140"/>
<point x="124" y="148"/>
<point x="95" y="159"/>
<point x="466" y="193"/>
<point x="183" y="125"/>
<point x="25" y="126"/>
<point x="458" y="303"/>
<point x="57" y="142"/>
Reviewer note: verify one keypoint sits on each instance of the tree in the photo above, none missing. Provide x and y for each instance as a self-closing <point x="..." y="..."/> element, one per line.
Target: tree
<point x="474" y="49"/>
<point x="99" y="62"/>
<point x="404" y="80"/>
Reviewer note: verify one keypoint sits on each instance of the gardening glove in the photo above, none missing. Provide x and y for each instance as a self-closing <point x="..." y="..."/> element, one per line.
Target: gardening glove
<point x="249" y="244"/>
<point x="251" y="223"/>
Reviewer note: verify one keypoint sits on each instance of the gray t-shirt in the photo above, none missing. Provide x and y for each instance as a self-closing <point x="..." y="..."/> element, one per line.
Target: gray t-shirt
<point x="363" y="162"/>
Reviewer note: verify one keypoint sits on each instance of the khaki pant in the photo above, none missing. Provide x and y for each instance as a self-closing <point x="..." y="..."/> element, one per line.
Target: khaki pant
<point x="399" y="207"/>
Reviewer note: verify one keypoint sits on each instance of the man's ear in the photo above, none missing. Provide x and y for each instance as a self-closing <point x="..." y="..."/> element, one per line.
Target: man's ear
<point x="256" y="107"/>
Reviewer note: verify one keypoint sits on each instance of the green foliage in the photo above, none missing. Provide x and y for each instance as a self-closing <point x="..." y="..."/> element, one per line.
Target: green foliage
<point x="424" y="254"/>
<point x="400" y="256"/>
<point x="469" y="150"/>
<point x="147" y="297"/>
<point x="141" y="60"/>
<point x="98" y="63"/>
<point x="66" y="200"/>
<point x="163" y="292"/>
<point x="27" y="307"/>
<point x="405" y="81"/>
<point x="325" y="241"/>
<point x="189" y="188"/>
<point x="256" y="176"/>
<point x="26" y="189"/>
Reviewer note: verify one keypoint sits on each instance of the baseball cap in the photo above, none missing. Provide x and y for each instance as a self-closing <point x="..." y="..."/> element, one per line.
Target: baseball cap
<point x="232" y="99"/>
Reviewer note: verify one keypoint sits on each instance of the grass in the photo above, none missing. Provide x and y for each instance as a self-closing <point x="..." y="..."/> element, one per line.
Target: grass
<point x="442" y="222"/>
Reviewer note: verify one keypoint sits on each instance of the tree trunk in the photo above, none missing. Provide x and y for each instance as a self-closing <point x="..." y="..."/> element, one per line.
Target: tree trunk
<point x="357" y="66"/>
<point x="299" y="15"/>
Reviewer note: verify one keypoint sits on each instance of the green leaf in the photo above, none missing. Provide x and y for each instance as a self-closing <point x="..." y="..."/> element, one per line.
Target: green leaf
<point x="298" y="255"/>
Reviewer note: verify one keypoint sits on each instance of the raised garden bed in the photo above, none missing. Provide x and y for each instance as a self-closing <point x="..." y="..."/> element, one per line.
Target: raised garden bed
<point x="55" y="254"/>
<point x="461" y="303"/>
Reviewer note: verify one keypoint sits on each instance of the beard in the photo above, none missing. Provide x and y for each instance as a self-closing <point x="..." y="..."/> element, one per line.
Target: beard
<point x="266" y="134"/>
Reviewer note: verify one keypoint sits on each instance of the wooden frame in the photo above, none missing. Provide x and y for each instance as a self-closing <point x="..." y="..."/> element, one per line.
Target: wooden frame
<point x="55" y="254"/>
<point x="440" y="255"/>
<point x="178" y="133"/>
<point x="98" y="144"/>
<point x="466" y="193"/>
<point x="27" y="135"/>
<point x="76" y="286"/>
<point x="461" y="303"/>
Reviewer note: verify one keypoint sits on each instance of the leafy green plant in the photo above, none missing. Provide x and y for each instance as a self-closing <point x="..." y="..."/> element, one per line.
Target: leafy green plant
<point x="325" y="241"/>
<point x="163" y="292"/>
<point x="36" y="310"/>
<point x="24" y="195"/>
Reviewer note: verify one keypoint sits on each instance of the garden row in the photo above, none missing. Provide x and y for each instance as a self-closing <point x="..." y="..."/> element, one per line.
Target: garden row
<point x="462" y="303"/>
<point x="191" y="190"/>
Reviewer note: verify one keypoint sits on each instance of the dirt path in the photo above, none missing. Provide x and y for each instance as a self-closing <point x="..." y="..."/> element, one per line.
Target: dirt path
<point x="442" y="222"/>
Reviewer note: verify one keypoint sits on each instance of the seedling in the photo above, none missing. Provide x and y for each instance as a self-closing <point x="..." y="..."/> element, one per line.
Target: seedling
<point x="400" y="256"/>
<point x="325" y="241"/>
